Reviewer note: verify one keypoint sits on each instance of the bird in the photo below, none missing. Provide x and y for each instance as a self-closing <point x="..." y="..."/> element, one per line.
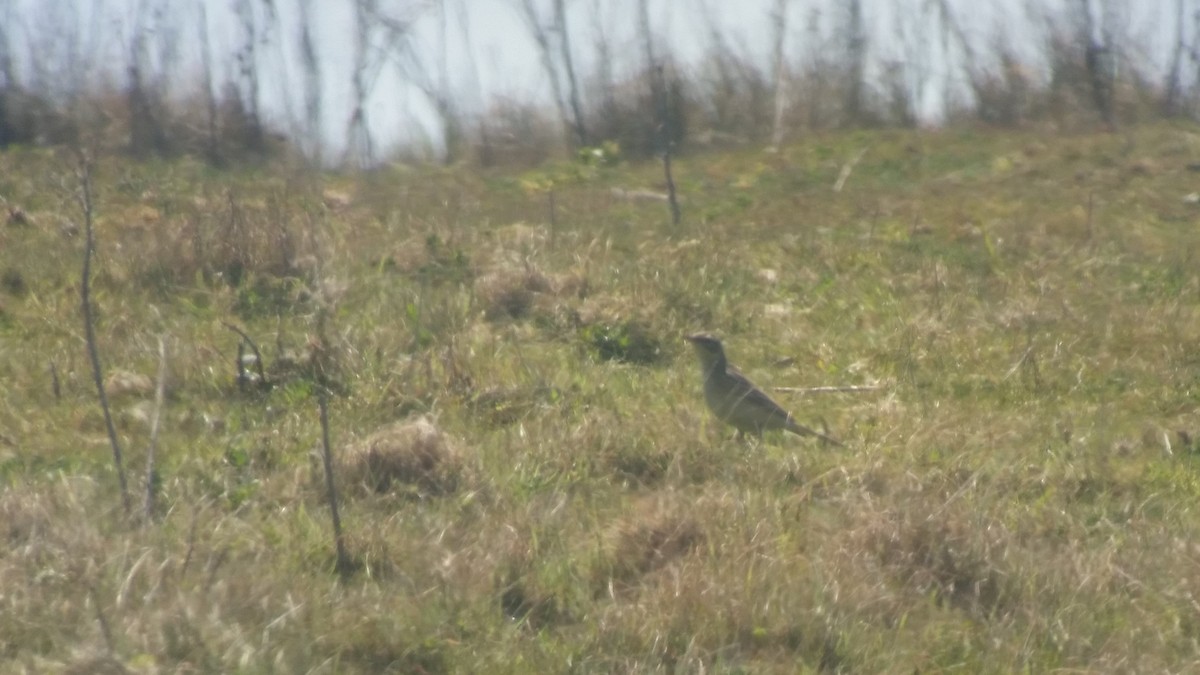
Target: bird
<point x="736" y="401"/>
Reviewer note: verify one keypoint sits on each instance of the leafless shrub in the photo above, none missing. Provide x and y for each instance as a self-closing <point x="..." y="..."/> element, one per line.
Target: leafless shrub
<point x="640" y="119"/>
<point x="1095" y="73"/>
<point x="731" y="96"/>
<point x="1003" y="94"/>
<point x="512" y="133"/>
<point x="553" y="39"/>
<point x="29" y="118"/>
<point x="265" y="248"/>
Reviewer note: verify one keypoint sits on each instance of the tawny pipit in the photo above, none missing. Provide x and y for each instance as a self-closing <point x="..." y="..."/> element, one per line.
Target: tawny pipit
<point x="735" y="400"/>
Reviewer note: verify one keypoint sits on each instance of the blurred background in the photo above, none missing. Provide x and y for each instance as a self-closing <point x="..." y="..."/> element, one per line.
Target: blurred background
<point x="356" y="83"/>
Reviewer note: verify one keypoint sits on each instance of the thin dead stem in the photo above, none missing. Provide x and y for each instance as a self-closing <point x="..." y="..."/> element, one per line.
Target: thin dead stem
<point x="258" y="359"/>
<point x="847" y="169"/>
<point x="159" y="395"/>
<point x="339" y="540"/>
<point x="850" y="388"/>
<point x="672" y="199"/>
<point x="89" y="322"/>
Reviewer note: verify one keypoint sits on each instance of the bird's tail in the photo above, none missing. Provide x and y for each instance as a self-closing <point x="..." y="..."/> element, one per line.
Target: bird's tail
<point x="801" y="430"/>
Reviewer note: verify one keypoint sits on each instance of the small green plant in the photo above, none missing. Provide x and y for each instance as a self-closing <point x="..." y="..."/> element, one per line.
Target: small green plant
<point x="266" y="296"/>
<point x="606" y="154"/>
<point x="445" y="265"/>
<point x="627" y="341"/>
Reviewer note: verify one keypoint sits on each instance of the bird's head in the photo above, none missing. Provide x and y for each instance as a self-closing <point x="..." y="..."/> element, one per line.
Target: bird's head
<point x="708" y="348"/>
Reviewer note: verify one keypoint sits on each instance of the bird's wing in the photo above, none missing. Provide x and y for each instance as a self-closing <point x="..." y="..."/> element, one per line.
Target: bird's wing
<point x="754" y="396"/>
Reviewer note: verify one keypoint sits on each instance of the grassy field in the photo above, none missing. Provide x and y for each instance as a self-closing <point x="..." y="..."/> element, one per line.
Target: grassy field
<point x="530" y="481"/>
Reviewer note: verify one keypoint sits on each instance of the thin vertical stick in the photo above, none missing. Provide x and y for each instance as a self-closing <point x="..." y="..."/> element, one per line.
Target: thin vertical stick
<point x="258" y="359"/>
<point x="339" y="541"/>
<point x="85" y="200"/>
<point x="55" y="385"/>
<point x="105" y="628"/>
<point x="159" y="395"/>
<point x="674" y="201"/>
<point x="1091" y="232"/>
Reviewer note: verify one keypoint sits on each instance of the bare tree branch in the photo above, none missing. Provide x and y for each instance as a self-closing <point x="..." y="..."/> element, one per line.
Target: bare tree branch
<point x="312" y="80"/>
<point x="378" y="37"/>
<point x="779" y="34"/>
<point x="564" y="44"/>
<point x="541" y="31"/>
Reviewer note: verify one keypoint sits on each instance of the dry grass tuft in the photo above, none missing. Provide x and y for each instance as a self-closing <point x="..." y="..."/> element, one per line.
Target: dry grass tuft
<point x="944" y="552"/>
<point x="430" y="260"/>
<point x="522" y="600"/>
<point x="658" y="532"/>
<point x="25" y="517"/>
<point x="414" y="457"/>
<point x="125" y="383"/>
<point x="511" y="294"/>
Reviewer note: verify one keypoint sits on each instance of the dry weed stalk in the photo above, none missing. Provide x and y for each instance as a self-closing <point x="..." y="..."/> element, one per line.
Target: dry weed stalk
<point x="159" y="395"/>
<point x="344" y="566"/>
<point x="672" y="199"/>
<point x="84" y="175"/>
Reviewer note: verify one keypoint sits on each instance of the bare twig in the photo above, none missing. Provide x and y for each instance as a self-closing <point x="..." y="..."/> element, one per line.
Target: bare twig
<point x="937" y="288"/>
<point x="853" y="388"/>
<point x="55" y="384"/>
<point x="89" y="327"/>
<point x="258" y="359"/>
<point x="671" y="197"/>
<point x="105" y="627"/>
<point x="191" y="546"/>
<point x="847" y="169"/>
<point x="1028" y="361"/>
<point x="239" y="364"/>
<point x="339" y="540"/>
<point x="1025" y="356"/>
<point x="159" y="395"/>
<point x="967" y="485"/>
<point x="1090" y="227"/>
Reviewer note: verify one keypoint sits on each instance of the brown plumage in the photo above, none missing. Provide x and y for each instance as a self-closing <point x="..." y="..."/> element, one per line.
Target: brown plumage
<point x="735" y="400"/>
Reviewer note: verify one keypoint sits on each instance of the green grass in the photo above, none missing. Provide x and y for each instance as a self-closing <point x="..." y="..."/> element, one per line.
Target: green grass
<point x="1018" y="495"/>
